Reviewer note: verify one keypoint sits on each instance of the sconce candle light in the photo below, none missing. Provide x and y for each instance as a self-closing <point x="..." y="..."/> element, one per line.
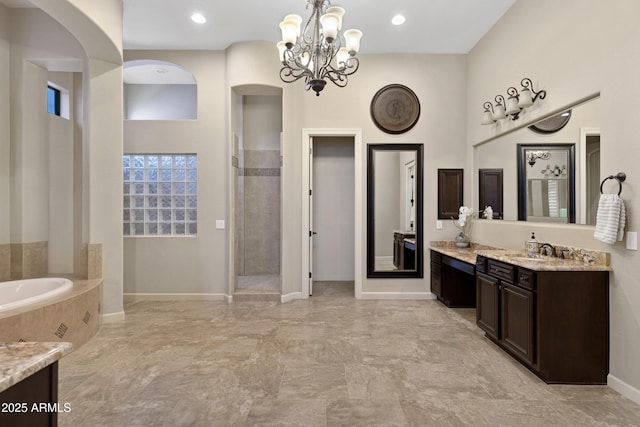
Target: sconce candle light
<point x="532" y="156"/>
<point x="515" y="103"/>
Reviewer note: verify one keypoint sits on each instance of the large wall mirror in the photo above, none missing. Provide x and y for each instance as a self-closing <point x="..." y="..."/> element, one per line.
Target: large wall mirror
<point x="508" y="155"/>
<point x="394" y="210"/>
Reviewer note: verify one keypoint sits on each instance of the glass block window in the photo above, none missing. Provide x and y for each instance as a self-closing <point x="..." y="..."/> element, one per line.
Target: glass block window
<point x="160" y="194"/>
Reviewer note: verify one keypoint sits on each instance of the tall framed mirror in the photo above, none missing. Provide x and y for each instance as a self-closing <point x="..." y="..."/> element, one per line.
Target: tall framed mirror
<point x="546" y="183"/>
<point x="394" y="210"/>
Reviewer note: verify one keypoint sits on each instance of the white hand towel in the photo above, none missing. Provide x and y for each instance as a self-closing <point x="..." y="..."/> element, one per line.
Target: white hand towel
<point x="610" y="219"/>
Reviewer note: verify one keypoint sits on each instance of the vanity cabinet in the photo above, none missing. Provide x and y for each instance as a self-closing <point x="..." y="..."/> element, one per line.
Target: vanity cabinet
<point x="554" y="322"/>
<point x="453" y="281"/>
<point x="29" y="402"/>
<point x="404" y="250"/>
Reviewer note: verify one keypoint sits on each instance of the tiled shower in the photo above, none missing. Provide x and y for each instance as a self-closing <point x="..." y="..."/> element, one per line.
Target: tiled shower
<point x="257" y="165"/>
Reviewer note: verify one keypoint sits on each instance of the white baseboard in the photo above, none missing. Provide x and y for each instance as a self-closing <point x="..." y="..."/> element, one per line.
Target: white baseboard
<point x="627" y="390"/>
<point x="228" y="299"/>
<point x="292" y="296"/>
<point x="113" y="317"/>
<point x="398" y="295"/>
<point x="174" y="297"/>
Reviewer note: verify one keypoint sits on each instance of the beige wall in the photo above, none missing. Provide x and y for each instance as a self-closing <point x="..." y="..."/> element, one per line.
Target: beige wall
<point x="439" y="81"/>
<point x="5" y="84"/>
<point x="61" y="188"/>
<point x="37" y="43"/>
<point x="185" y="264"/>
<point x="40" y="44"/>
<point x="596" y="53"/>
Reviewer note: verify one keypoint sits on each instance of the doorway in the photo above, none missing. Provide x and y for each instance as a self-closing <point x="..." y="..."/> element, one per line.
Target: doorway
<point x="308" y="136"/>
<point x="589" y="169"/>
<point x="333" y="215"/>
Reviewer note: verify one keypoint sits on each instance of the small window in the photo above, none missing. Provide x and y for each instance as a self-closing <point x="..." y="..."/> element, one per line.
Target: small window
<point x="160" y="194"/>
<point x="53" y="101"/>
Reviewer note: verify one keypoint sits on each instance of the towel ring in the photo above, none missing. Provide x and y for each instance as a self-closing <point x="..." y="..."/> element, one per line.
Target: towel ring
<point x="620" y="177"/>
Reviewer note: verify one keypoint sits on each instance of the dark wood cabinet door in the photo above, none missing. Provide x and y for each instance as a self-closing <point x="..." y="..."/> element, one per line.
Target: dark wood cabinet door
<point x="490" y="191"/>
<point x="488" y="304"/>
<point x="450" y="196"/>
<point x="436" y="279"/>
<point x="518" y="321"/>
<point x="397" y="249"/>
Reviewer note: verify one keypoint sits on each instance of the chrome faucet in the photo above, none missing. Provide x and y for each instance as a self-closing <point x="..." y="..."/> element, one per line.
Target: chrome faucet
<point x="544" y="251"/>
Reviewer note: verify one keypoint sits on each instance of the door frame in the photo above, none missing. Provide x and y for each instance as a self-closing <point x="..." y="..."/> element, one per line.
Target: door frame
<point x="581" y="171"/>
<point x="358" y="232"/>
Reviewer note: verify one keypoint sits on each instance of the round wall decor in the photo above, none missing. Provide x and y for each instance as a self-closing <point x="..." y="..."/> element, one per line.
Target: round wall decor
<point x="395" y="109"/>
<point x="552" y="124"/>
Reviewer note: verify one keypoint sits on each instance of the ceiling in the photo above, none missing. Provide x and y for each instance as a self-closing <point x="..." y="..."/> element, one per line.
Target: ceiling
<point x="432" y="26"/>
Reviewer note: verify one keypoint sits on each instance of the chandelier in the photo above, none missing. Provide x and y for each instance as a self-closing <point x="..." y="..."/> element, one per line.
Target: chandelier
<point x="317" y="53"/>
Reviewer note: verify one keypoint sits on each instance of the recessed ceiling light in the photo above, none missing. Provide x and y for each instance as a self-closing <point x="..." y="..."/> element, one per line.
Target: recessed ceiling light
<point x="198" y="18"/>
<point x="398" y="20"/>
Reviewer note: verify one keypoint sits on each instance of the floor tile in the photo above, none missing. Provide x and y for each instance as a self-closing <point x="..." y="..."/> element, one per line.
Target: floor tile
<point x="329" y="360"/>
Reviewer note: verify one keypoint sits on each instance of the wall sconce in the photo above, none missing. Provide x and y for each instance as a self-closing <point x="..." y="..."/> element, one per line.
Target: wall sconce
<point x="533" y="155"/>
<point x="515" y="103"/>
<point x="555" y="171"/>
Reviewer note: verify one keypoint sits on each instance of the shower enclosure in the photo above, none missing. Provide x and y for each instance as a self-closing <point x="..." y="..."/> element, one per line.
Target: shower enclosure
<point x="257" y="187"/>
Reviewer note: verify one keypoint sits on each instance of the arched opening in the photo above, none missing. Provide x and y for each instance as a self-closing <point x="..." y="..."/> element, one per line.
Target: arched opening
<point x="159" y="90"/>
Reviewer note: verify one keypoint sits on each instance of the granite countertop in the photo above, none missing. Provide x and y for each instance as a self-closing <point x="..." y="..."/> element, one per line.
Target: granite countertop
<point x="19" y="360"/>
<point x="543" y="263"/>
<point x="584" y="260"/>
<point x="467" y="254"/>
<point x="405" y="232"/>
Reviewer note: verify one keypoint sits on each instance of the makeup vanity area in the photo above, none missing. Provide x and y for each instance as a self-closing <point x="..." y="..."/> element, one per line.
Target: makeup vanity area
<point x="551" y="314"/>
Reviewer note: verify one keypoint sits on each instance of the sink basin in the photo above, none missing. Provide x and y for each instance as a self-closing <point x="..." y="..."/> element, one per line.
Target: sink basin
<point x="527" y="259"/>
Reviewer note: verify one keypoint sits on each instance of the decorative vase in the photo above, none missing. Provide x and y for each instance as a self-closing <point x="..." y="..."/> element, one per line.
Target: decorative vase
<point x="462" y="241"/>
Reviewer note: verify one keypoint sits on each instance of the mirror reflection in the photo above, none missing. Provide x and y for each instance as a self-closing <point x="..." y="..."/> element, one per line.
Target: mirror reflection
<point x="500" y="156"/>
<point x="394" y="210"/>
<point x="546" y="183"/>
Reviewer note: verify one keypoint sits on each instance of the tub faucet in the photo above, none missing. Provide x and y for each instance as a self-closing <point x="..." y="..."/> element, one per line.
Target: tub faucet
<point x="543" y="247"/>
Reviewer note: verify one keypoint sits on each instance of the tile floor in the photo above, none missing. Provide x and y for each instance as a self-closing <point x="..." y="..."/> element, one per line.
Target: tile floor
<point x="332" y="360"/>
<point x="266" y="282"/>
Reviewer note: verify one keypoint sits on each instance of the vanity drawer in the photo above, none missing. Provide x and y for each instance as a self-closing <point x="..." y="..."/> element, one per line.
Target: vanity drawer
<point x="501" y="270"/>
<point x="436" y="256"/>
<point x="481" y="263"/>
<point x="526" y="278"/>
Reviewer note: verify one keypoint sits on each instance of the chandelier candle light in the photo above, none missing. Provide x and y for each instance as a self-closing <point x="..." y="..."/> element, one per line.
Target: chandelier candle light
<point x="317" y="53"/>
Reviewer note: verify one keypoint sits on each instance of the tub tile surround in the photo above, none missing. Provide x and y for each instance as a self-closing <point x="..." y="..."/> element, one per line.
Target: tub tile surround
<point x="72" y="317"/>
<point x="330" y="360"/>
<point x="5" y="262"/>
<point x="29" y="260"/>
<point x="21" y="360"/>
<point x="94" y="261"/>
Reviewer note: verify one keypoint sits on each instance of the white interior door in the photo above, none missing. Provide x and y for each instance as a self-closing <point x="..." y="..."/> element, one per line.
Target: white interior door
<point x="311" y="232"/>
